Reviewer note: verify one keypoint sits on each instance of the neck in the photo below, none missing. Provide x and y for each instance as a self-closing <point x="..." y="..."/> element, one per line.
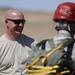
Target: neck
<point x="12" y="36"/>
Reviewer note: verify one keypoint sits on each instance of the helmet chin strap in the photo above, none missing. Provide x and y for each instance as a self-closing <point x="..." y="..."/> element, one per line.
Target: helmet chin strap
<point x="72" y="27"/>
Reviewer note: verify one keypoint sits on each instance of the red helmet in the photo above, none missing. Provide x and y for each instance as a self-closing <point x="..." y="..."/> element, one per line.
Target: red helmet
<point x="65" y="11"/>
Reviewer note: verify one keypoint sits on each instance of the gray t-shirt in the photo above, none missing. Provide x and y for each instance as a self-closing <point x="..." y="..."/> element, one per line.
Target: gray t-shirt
<point x="13" y="54"/>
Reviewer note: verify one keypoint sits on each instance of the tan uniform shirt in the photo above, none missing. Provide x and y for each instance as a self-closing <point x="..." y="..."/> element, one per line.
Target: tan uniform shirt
<point x="13" y="54"/>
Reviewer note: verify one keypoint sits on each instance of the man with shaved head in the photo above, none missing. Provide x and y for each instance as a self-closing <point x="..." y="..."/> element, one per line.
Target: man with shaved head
<point x="14" y="20"/>
<point x="14" y="46"/>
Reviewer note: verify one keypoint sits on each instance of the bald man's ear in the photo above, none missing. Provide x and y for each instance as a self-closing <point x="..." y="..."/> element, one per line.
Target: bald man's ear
<point x="6" y="21"/>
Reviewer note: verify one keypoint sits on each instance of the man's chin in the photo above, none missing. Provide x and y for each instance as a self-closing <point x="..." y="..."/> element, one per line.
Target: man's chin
<point x="18" y="33"/>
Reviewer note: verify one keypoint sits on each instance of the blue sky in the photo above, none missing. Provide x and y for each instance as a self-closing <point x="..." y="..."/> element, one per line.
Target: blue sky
<point x="39" y="5"/>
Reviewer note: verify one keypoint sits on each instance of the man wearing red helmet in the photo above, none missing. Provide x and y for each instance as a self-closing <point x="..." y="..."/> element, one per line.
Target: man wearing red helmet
<point x="64" y="21"/>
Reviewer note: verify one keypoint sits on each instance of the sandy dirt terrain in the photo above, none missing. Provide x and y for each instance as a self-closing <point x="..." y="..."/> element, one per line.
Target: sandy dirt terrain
<point x="39" y="25"/>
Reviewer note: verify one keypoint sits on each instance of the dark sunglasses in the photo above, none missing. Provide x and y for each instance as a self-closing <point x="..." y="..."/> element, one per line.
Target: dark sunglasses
<point x="18" y="21"/>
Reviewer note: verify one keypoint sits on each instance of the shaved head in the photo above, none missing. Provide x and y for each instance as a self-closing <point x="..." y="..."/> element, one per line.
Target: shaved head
<point x="14" y="14"/>
<point x="14" y="20"/>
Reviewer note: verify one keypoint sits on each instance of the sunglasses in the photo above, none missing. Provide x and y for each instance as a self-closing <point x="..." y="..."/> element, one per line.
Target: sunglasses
<point x="18" y="21"/>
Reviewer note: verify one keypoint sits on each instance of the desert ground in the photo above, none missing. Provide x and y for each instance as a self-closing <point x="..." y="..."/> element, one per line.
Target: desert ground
<point x="39" y="25"/>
